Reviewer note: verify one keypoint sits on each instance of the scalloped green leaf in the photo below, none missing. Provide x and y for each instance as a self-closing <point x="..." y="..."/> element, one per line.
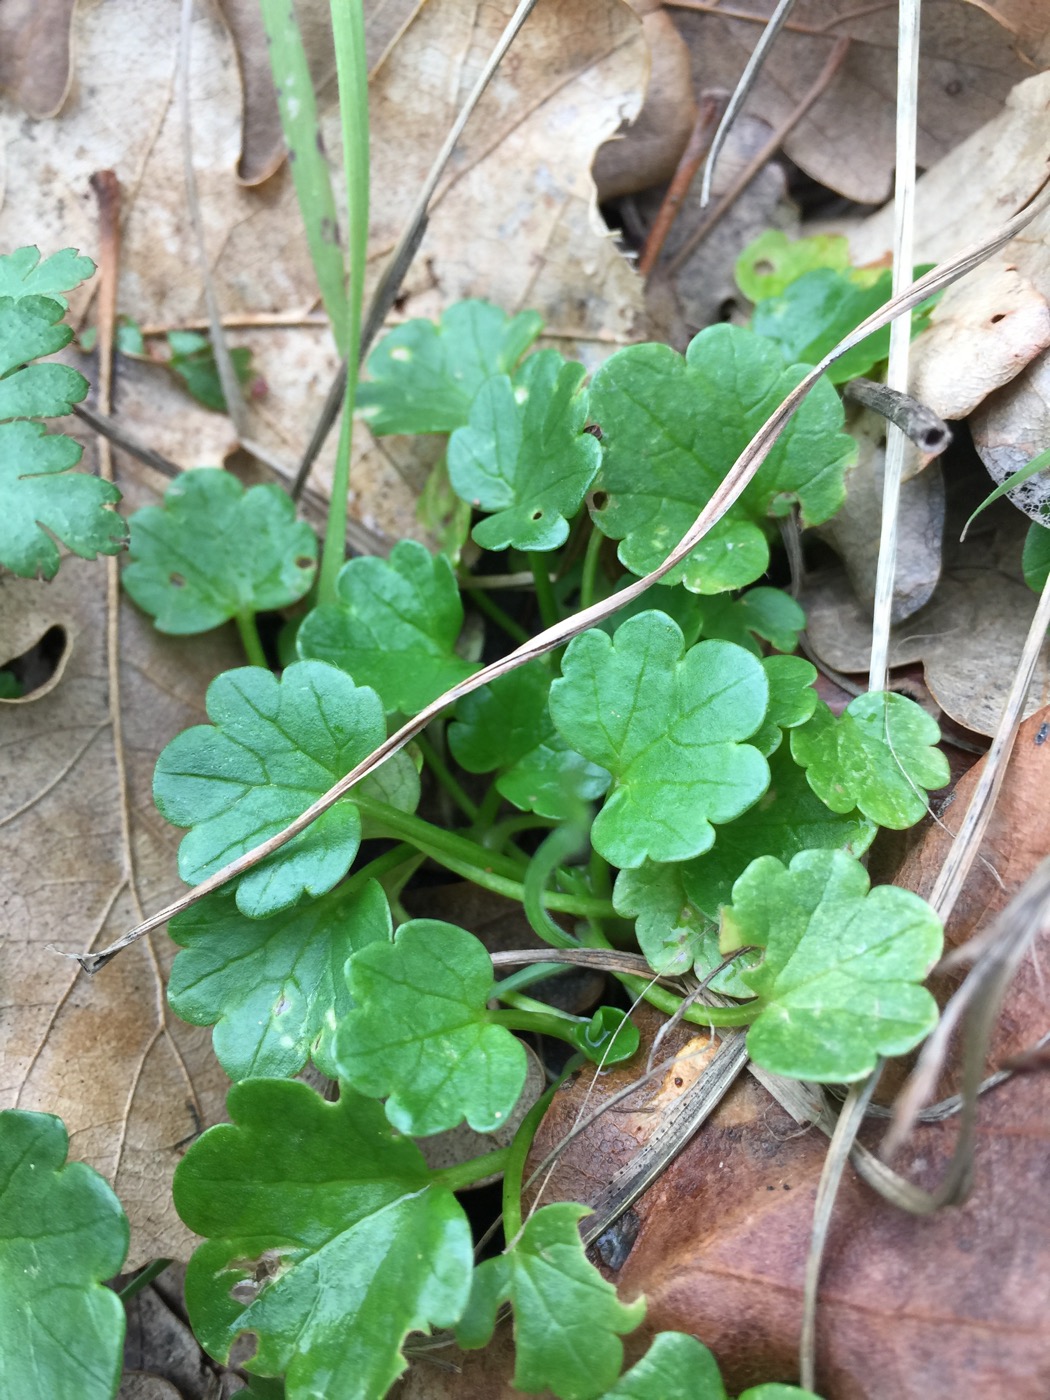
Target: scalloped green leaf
<point x="420" y="1032"/>
<point x="567" y="1319"/>
<point x="792" y="699"/>
<point x="274" y="988"/>
<point x="524" y="457"/>
<point x="839" y="981"/>
<point x="769" y="613"/>
<point x="395" y="627"/>
<point x="62" y="1233"/>
<point x="43" y="499"/>
<point x="673" y="427"/>
<point x="770" y="263"/>
<point x="507" y="726"/>
<point x="879" y="755"/>
<point x="675" y="906"/>
<point x="273" y="748"/>
<point x="422" y="377"/>
<point x="193" y="361"/>
<point x="24" y="273"/>
<point x="214" y="550"/>
<point x="676" y="1367"/>
<point x="670" y="726"/>
<point x="327" y="1239"/>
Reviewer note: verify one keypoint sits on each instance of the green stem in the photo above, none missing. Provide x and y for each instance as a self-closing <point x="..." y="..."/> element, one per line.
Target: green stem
<point x="537" y="1023"/>
<point x="143" y="1279"/>
<point x="382" y="865"/>
<point x="496" y="836"/>
<point x="348" y="36"/>
<point x="548" y="605"/>
<point x="557" y="847"/>
<point x="466" y="1173"/>
<point x="518" y="1152"/>
<point x="531" y="1007"/>
<point x="250" y="639"/>
<point x="525" y="976"/>
<point x="448" y="780"/>
<point x="490" y="805"/>
<point x="589" y="575"/>
<point x="481" y="600"/>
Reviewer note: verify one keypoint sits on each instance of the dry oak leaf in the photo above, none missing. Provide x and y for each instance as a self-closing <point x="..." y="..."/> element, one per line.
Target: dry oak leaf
<point x="35" y="42"/>
<point x="968" y="64"/>
<point x="132" y="1083"/>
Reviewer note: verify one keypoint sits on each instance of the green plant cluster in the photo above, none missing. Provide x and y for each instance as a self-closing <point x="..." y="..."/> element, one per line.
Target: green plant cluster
<point x="671" y="774"/>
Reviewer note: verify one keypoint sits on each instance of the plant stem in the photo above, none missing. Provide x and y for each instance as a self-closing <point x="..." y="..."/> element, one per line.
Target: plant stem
<point x="518" y="1152"/>
<point x="250" y="639"/>
<point x="700" y="1014"/>
<point x="538" y="1022"/>
<point x="548" y="605"/>
<point x="447" y="778"/>
<point x="538" y="972"/>
<point x="555" y="848"/>
<point x="479" y="597"/>
<point x="348" y="34"/>
<point x="490" y="805"/>
<point x="382" y="865"/>
<point x="143" y="1279"/>
<point x="589" y="576"/>
<point x="466" y="1173"/>
<point x="530" y="1006"/>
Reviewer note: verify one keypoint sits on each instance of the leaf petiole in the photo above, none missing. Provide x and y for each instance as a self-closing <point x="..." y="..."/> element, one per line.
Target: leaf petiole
<point x="548" y="604"/>
<point x="446" y="778"/>
<point x="517" y="1153"/>
<point x="250" y="639"/>
<point x="464" y="1174"/>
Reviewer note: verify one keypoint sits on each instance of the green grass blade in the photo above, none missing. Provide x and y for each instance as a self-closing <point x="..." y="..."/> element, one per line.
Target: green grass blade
<point x="1017" y="478"/>
<point x="313" y="185"/>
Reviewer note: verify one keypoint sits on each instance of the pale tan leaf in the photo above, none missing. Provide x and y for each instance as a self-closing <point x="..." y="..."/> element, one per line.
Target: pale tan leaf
<point x="35" y="53"/>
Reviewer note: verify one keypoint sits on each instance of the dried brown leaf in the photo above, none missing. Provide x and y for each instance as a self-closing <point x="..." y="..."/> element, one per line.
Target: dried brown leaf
<point x="35" y="53"/>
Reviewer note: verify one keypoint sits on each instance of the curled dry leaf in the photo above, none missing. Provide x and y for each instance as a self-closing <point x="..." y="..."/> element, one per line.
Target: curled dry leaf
<point x="132" y="1082"/>
<point x="1013" y="426"/>
<point x="969" y="62"/>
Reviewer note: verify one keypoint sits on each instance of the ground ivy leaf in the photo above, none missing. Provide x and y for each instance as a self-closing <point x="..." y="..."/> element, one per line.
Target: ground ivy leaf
<point x="395" y="627"/>
<point x="769" y="613"/>
<point x="42" y="499"/>
<point x="507" y="726"/>
<point x="838" y="982"/>
<point x="879" y="755"/>
<point x="274" y="989"/>
<point x="193" y="360"/>
<point x="24" y="273"/>
<point x="524" y="457"/>
<point x="669" y="725"/>
<point x="422" y="377"/>
<point x="567" y="1319"/>
<point x="274" y="746"/>
<point x="325" y="1238"/>
<point x="676" y="1367"/>
<point x="792" y="699"/>
<point x="670" y="929"/>
<point x="769" y="264"/>
<point x="214" y="550"/>
<point x="62" y="1232"/>
<point x="673" y="427"/>
<point x="419" y="1032"/>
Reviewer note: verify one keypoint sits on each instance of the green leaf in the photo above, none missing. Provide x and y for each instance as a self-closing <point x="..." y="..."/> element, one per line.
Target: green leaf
<point x="193" y="360"/>
<point x="769" y="264"/>
<point x="62" y="1232"/>
<point x="214" y="550"/>
<point x="507" y="726"/>
<point x="42" y="499"/>
<point x="676" y="1367"/>
<point x="1038" y="464"/>
<point x="274" y="989"/>
<point x="420" y="1032"/>
<point x="838" y="984"/>
<point x="1035" y="560"/>
<point x="444" y="516"/>
<point x="423" y="377"/>
<point x="673" y="427"/>
<point x="395" y="627"/>
<point x="24" y="273"/>
<point x="761" y="612"/>
<point x="326" y="1239"/>
<point x="879" y="755"/>
<point x="567" y="1320"/>
<point x="609" y="1038"/>
<point x="815" y="312"/>
<point x="676" y="905"/>
<point x="792" y="699"/>
<point x="525" y="454"/>
<point x="273" y="748"/>
<point x="669" y="725"/>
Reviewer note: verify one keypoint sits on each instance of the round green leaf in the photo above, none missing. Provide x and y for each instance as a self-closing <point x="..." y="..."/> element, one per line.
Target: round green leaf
<point x="838" y="983"/>
<point x="673" y="427"/>
<point x="524" y="458"/>
<point x="792" y="699"/>
<point x="676" y="1367"/>
<point x="274" y="988"/>
<point x="420" y="1032"/>
<point x="668" y="724"/>
<point x="769" y="613"/>
<point x="769" y="264"/>
<point x="879" y="755"/>
<point x="395" y="627"/>
<point x="62" y="1232"/>
<point x="567" y="1320"/>
<point x="273" y="748"/>
<point x="326" y="1239"/>
<point x="214" y="550"/>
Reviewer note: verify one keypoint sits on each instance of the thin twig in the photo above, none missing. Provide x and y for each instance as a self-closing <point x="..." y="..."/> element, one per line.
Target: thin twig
<point x="711" y="105"/>
<point x="926" y="429"/>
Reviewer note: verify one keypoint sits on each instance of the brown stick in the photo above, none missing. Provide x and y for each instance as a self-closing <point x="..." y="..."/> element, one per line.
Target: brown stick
<point x="712" y="105"/>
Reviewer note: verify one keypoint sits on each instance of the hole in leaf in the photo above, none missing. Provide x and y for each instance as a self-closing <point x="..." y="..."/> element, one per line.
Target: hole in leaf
<point x="594" y="431"/>
<point x="536" y="515"/>
<point x="176" y="581"/>
<point x="600" y="500"/>
<point x="999" y="316"/>
<point x="38" y="668"/>
<point x="244" y="1348"/>
<point x="304" y="562"/>
<point x="728" y="309"/>
<point x="763" y="267"/>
